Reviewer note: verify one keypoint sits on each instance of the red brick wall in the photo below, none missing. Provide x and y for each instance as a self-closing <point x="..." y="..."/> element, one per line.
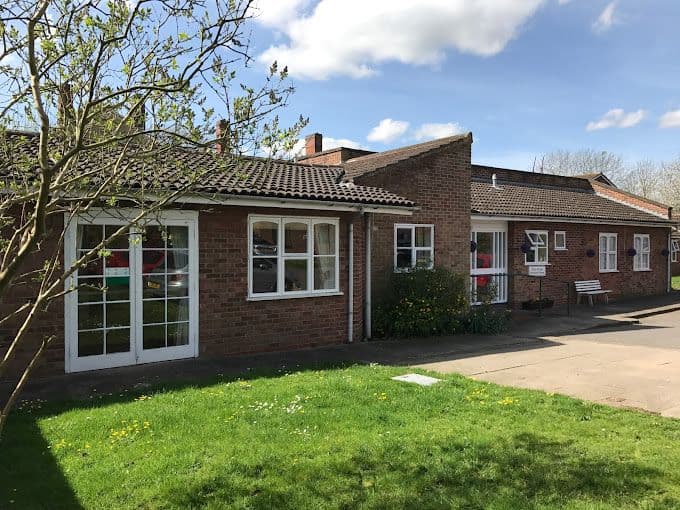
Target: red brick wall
<point x="228" y="323"/>
<point x="573" y="264"/>
<point x="48" y="323"/>
<point x="439" y="183"/>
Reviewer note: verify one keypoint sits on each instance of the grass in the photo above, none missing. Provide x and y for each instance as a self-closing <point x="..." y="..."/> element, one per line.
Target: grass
<point x="339" y="438"/>
<point x="675" y="282"/>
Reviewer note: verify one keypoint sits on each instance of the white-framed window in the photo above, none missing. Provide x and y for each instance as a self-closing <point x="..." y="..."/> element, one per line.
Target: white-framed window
<point x="292" y="256"/>
<point x="413" y="246"/>
<point x="608" y="252"/>
<point x="538" y="247"/>
<point x="675" y="250"/>
<point x="560" y="240"/>
<point x="641" y="261"/>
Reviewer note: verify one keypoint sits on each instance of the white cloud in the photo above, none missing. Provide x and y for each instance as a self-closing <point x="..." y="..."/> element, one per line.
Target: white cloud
<point x="432" y="131"/>
<point x="617" y="118"/>
<point x="387" y="130"/>
<point x="670" y="119"/>
<point x="607" y="18"/>
<point x="351" y="37"/>
<point x="277" y="13"/>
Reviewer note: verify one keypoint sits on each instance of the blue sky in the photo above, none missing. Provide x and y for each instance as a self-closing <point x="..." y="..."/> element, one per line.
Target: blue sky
<point x="525" y="76"/>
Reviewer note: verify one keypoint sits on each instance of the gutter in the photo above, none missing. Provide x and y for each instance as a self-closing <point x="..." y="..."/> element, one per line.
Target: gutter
<point x="368" y="310"/>
<point x="569" y="219"/>
<point x="350" y="285"/>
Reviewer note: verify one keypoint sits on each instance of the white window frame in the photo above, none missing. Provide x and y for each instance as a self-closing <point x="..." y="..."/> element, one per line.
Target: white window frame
<point x="606" y="236"/>
<point x="414" y="248"/>
<point x="536" y="247"/>
<point x="137" y="354"/>
<point x="675" y="250"/>
<point x="309" y="256"/>
<point x="639" y="263"/>
<point x="559" y="247"/>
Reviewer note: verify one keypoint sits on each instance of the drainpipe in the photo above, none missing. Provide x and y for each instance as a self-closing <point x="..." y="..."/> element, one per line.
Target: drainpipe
<point x="350" y="285"/>
<point x="669" y="286"/>
<point x="368" y="225"/>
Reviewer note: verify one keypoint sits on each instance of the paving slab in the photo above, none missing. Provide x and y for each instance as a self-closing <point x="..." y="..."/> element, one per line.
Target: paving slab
<point x="638" y="366"/>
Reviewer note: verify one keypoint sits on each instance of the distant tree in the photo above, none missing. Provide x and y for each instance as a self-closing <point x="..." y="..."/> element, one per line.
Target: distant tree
<point x="109" y="86"/>
<point x="669" y="184"/>
<point x="584" y="161"/>
<point x="643" y="179"/>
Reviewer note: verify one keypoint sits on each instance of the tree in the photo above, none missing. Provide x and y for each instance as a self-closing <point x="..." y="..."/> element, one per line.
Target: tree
<point x="110" y="86"/>
<point x="584" y="161"/>
<point x="643" y="179"/>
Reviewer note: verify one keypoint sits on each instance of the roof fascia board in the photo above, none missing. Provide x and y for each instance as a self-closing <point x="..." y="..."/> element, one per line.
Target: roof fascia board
<point x="287" y="203"/>
<point x="550" y="219"/>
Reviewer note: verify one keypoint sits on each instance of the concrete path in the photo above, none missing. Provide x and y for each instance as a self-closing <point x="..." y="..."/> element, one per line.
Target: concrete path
<point x="631" y="366"/>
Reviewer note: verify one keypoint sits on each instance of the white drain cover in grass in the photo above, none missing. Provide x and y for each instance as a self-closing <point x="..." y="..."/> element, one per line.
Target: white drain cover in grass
<point x="422" y="380"/>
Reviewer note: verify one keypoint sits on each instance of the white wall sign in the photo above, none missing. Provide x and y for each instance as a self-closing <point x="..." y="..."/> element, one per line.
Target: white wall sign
<point x="536" y="270"/>
<point x="117" y="271"/>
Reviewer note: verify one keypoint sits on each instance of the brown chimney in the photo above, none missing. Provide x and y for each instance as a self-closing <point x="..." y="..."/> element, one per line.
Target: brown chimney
<point x="222" y="134"/>
<point x="313" y="144"/>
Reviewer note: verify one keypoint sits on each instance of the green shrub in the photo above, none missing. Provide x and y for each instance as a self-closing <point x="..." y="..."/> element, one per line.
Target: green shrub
<point x="422" y="302"/>
<point x="427" y="302"/>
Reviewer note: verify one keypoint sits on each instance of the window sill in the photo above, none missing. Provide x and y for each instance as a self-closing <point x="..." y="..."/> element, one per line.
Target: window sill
<point x="561" y="249"/>
<point x="278" y="297"/>
<point x="609" y="271"/>
<point x="529" y="264"/>
<point x="642" y="270"/>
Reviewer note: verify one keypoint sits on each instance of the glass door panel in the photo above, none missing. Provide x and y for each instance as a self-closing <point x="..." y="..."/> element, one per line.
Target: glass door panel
<point x="488" y="266"/>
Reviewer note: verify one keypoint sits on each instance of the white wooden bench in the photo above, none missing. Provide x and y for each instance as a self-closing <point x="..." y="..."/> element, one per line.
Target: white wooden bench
<point x="590" y="288"/>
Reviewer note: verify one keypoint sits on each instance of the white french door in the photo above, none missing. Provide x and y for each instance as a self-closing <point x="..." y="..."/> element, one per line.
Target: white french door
<point x="137" y="301"/>
<point x="488" y="262"/>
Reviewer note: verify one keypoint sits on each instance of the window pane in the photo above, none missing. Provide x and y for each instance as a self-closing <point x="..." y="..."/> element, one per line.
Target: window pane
<point x="612" y="261"/>
<point x="153" y="286"/>
<point x="178" y="310"/>
<point x="543" y="239"/>
<point x="423" y="237"/>
<point x="122" y="242"/>
<point x="89" y="236"/>
<point x="93" y="268"/>
<point x="153" y="261"/>
<point x="178" y="334"/>
<point x="645" y="243"/>
<point x="177" y="260"/>
<point x="154" y="237"/>
<point x="90" y="343"/>
<point x="324" y="273"/>
<point x="154" y="311"/>
<point x="118" y="340"/>
<point x="178" y="237"/>
<point x="423" y="258"/>
<point x="90" y="316"/>
<point x="543" y="254"/>
<point x="404" y="237"/>
<point x="265" y="238"/>
<point x="404" y="258"/>
<point x="264" y="275"/>
<point x="637" y="243"/>
<point x="603" y="261"/>
<point x="178" y="285"/>
<point x="612" y="243"/>
<point x="295" y="235"/>
<point x="483" y="255"/>
<point x="296" y="275"/>
<point x="324" y="239"/>
<point x="117" y="314"/>
<point x="531" y="255"/>
<point x="90" y="290"/>
<point x="154" y="337"/>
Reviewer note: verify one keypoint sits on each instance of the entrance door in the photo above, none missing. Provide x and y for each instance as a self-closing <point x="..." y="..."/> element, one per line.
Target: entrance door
<point x="136" y="302"/>
<point x="488" y="262"/>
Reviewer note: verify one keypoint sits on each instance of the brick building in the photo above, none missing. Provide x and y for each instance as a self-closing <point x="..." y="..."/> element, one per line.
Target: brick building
<point x="273" y="255"/>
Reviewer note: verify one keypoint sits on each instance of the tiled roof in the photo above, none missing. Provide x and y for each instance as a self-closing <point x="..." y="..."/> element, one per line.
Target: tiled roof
<point x="358" y="166"/>
<point x="244" y="176"/>
<point x="520" y="199"/>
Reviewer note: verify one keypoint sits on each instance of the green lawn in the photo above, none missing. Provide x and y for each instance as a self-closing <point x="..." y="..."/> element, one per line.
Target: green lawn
<point x="675" y="282"/>
<point x="338" y="438"/>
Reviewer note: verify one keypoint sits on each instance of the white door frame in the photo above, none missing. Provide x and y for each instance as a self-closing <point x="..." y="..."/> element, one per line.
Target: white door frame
<point x="136" y="355"/>
<point x="493" y="227"/>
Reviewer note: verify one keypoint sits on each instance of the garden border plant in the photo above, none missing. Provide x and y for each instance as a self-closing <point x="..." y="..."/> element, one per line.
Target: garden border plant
<point x="429" y="302"/>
